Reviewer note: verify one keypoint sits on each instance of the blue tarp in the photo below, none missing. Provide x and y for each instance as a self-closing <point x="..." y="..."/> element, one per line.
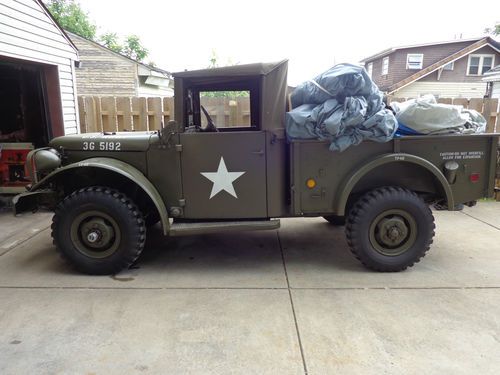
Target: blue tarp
<point x="341" y="105"/>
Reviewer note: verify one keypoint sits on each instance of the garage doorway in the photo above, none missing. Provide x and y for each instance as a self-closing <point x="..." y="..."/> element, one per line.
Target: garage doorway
<point x="30" y="116"/>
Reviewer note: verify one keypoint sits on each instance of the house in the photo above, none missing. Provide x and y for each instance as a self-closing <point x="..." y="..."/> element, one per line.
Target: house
<point x="446" y="69"/>
<point x="37" y="75"/>
<point x="492" y="79"/>
<point x="104" y="72"/>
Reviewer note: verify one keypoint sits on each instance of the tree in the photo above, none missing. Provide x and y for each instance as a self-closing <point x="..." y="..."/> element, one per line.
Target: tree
<point x="495" y="30"/>
<point x="222" y="94"/>
<point x="71" y="17"/>
<point x="110" y="40"/>
<point x="134" y="49"/>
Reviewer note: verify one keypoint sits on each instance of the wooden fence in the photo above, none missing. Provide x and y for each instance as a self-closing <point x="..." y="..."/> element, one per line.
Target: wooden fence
<point x="112" y="114"/>
<point x="109" y="113"/>
<point x="488" y="107"/>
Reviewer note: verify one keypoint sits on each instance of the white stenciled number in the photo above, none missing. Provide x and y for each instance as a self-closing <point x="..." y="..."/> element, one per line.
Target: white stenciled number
<point x="109" y="146"/>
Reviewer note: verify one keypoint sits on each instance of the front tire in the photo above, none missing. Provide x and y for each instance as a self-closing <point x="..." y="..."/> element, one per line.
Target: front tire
<point x="335" y="220"/>
<point x="98" y="230"/>
<point x="390" y="229"/>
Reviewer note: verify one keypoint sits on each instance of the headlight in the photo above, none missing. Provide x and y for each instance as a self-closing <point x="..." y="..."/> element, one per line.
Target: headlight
<point x="41" y="162"/>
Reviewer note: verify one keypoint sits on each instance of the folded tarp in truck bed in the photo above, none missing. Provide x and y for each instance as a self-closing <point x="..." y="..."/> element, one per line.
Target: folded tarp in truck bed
<point x="341" y="105"/>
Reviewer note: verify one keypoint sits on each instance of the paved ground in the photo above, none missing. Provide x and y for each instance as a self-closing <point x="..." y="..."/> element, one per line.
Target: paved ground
<point x="291" y="301"/>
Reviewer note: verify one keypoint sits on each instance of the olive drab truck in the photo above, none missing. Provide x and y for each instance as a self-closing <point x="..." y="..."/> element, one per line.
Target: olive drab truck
<point x="195" y="176"/>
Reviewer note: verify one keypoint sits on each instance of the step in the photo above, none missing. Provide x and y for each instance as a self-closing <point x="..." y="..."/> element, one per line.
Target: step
<point x="186" y="229"/>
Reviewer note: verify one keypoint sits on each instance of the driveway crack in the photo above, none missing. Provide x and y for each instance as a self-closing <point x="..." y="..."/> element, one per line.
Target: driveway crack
<point x="292" y="305"/>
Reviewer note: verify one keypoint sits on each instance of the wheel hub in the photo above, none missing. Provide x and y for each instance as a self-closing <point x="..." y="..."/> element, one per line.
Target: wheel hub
<point x="392" y="231"/>
<point x="95" y="234"/>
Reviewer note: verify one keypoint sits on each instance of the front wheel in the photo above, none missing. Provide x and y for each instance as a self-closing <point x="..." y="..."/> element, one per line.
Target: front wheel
<point x="99" y="230"/>
<point x="389" y="229"/>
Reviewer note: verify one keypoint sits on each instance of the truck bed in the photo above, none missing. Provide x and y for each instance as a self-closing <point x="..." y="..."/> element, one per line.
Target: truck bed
<point x="415" y="162"/>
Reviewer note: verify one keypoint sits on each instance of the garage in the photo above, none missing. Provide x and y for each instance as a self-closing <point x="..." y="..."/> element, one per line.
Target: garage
<point x="37" y="86"/>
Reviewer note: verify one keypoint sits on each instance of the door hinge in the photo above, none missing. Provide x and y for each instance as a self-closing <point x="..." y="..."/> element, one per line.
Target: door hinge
<point x="178" y="148"/>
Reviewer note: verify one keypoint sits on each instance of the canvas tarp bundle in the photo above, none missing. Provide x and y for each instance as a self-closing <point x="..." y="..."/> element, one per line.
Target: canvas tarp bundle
<point x="426" y="116"/>
<point x="341" y="105"/>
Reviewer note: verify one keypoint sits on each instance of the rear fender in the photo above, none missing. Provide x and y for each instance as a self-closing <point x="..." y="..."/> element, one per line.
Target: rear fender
<point x="348" y="185"/>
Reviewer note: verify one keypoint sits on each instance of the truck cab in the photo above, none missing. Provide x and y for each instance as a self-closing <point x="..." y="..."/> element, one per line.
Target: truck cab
<point x="228" y="170"/>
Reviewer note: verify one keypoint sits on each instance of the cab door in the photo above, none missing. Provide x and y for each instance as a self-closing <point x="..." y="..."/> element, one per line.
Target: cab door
<point x="224" y="175"/>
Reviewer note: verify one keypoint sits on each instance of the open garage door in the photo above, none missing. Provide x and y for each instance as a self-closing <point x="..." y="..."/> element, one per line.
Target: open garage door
<point x="30" y="115"/>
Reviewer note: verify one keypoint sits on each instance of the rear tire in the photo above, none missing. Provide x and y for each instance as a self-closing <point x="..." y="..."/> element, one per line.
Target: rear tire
<point x="390" y="229"/>
<point x="98" y="230"/>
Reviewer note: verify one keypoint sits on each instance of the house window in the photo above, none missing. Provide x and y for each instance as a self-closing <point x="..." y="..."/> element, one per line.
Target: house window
<point x="369" y="69"/>
<point x="414" y="61"/>
<point x="385" y="65"/>
<point x="449" y="66"/>
<point x="479" y="64"/>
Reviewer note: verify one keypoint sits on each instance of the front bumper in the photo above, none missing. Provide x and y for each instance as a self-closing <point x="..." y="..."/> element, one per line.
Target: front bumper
<point x="31" y="201"/>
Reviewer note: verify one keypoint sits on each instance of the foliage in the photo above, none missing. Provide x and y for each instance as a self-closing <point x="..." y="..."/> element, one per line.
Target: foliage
<point x="495" y="30"/>
<point x="70" y="15"/>
<point x="110" y="40"/>
<point x="134" y="49"/>
<point x="222" y="94"/>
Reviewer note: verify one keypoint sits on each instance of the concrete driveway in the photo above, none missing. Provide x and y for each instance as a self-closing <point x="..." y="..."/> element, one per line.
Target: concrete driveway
<point x="292" y="301"/>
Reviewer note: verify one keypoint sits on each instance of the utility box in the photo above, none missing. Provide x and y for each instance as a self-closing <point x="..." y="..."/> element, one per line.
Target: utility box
<point x="13" y="179"/>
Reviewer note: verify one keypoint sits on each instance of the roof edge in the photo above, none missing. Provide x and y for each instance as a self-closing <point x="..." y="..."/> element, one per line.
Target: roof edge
<point x="393" y="49"/>
<point x="63" y="32"/>
<point x="486" y="41"/>
<point x="120" y="55"/>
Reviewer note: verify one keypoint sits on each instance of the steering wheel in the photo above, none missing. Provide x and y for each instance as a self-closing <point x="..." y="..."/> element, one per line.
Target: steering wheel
<point x="210" y="126"/>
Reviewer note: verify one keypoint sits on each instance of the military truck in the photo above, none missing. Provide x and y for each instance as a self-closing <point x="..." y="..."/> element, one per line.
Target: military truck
<point x="106" y="189"/>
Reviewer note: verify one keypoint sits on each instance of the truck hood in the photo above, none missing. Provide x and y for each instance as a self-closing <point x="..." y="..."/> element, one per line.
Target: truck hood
<point x="124" y="141"/>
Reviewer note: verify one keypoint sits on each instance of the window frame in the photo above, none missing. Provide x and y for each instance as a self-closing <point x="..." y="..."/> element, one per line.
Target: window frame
<point x="421" y="55"/>
<point x="480" y="65"/>
<point x="452" y="66"/>
<point x="369" y="69"/>
<point x="386" y="70"/>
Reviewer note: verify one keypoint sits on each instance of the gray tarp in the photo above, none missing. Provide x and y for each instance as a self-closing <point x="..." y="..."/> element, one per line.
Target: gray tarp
<point x="341" y="105"/>
<point x="426" y="116"/>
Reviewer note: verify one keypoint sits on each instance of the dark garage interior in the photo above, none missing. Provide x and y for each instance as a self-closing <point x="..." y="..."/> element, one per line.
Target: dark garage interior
<point x="31" y="116"/>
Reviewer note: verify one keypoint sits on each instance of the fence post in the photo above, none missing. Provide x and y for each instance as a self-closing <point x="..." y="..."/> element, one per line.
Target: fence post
<point x="139" y="114"/>
<point x="155" y="113"/>
<point x="124" y="113"/>
<point x="490" y="113"/>
<point x="108" y="113"/>
<point x="168" y="109"/>
<point x="81" y="114"/>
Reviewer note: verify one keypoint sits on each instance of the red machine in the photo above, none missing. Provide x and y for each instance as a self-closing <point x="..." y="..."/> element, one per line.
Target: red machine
<point x="12" y="161"/>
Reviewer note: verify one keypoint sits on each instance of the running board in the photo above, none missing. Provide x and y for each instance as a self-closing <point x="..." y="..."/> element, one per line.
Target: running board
<point x="186" y="229"/>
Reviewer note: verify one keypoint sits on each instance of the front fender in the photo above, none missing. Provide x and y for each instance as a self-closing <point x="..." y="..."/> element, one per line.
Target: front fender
<point x="350" y="182"/>
<point x="121" y="168"/>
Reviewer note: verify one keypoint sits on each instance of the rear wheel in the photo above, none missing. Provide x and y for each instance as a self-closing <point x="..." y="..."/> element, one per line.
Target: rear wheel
<point x="98" y="230"/>
<point x="390" y="229"/>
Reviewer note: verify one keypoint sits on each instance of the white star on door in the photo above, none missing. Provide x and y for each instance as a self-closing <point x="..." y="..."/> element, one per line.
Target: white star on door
<point x="222" y="179"/>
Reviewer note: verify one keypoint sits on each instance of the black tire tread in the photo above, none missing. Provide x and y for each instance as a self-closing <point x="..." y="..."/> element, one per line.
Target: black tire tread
<point x="139" y="238"/>
<point x="359" y="210"/>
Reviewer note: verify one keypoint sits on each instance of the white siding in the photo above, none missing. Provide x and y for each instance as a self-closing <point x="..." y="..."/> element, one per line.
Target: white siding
<point x="495" y="93"/>
<point x="27" y="32"/>
<point x="443" y="89"/>
<point x="148" y="90"/>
